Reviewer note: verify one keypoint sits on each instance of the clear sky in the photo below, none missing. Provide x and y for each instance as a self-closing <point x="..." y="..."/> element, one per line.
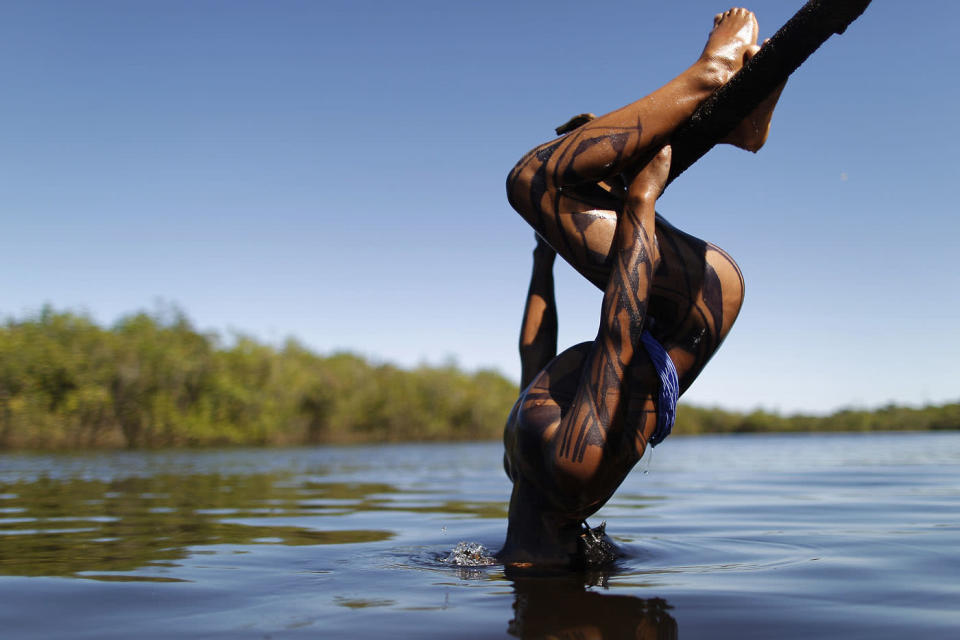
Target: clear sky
<point x="334" y="170"/>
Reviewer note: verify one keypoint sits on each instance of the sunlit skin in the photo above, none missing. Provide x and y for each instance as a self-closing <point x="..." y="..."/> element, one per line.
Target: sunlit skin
<point x="585" y="416"/>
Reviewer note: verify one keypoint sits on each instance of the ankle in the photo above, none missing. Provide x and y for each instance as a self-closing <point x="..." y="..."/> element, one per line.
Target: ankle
<point x="711" y="72"/>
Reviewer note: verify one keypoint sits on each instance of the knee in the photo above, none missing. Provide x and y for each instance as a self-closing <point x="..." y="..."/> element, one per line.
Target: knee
<point x="519" y="181"/>
<point x="530" y="179"/>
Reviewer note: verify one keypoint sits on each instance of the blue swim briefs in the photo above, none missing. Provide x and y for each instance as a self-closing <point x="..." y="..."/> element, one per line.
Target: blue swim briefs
<point x="669" y="388"/>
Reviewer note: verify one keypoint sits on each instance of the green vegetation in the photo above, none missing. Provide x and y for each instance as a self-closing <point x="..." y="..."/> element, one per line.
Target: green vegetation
<point x="155" y="381"/>
<point x="693" y="420"/>
<point x="152" y="381"/>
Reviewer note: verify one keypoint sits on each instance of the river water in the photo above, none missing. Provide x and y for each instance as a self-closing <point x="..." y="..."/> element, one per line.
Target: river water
<point x="754" y="536"/>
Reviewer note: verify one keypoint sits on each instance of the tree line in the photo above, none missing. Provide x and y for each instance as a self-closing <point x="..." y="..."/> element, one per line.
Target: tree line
<point x="153" y="380"/>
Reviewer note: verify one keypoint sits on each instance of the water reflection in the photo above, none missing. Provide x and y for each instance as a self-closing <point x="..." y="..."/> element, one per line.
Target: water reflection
<point x="350" y="542"/>
<point x="78" y="527"/>
<point x="567" y="607"/>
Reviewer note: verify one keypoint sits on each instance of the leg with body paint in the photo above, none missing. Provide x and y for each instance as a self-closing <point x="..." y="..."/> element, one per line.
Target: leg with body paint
<point x="585" y="419"/>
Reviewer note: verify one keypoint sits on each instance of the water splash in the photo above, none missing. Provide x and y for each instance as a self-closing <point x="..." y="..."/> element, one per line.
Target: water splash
<point x="470" y="554"/>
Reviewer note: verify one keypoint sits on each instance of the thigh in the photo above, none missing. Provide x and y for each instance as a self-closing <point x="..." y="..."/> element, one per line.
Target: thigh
<point x="697" y="288"/>
<point x="697" y="294"/>
<point x="580" y="225"/>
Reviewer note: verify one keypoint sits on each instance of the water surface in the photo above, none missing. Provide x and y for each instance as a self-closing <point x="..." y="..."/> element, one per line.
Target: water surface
<point x="772" y="536"/>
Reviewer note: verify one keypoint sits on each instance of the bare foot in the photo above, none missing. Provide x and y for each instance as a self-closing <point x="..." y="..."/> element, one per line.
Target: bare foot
<point x="731" y="43"/>
<point x="650" y="182"/>
<point x="753" y="130"/>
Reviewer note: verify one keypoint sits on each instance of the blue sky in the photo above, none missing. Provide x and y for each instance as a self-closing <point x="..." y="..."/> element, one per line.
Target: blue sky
<point x="334" y="171"/>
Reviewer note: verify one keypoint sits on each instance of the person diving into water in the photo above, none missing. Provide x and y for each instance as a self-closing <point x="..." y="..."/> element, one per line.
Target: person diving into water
<point x="584" y="417"/>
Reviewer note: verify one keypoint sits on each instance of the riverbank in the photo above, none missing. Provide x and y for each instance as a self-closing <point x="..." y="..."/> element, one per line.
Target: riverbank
<point x="153" y="380"/>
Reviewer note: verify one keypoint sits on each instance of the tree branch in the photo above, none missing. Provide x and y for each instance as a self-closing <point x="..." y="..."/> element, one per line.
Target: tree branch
<point x="719" y="114"/>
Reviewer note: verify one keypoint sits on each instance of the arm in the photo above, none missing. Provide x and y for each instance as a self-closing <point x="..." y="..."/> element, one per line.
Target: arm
<point x="538" y="334"/>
